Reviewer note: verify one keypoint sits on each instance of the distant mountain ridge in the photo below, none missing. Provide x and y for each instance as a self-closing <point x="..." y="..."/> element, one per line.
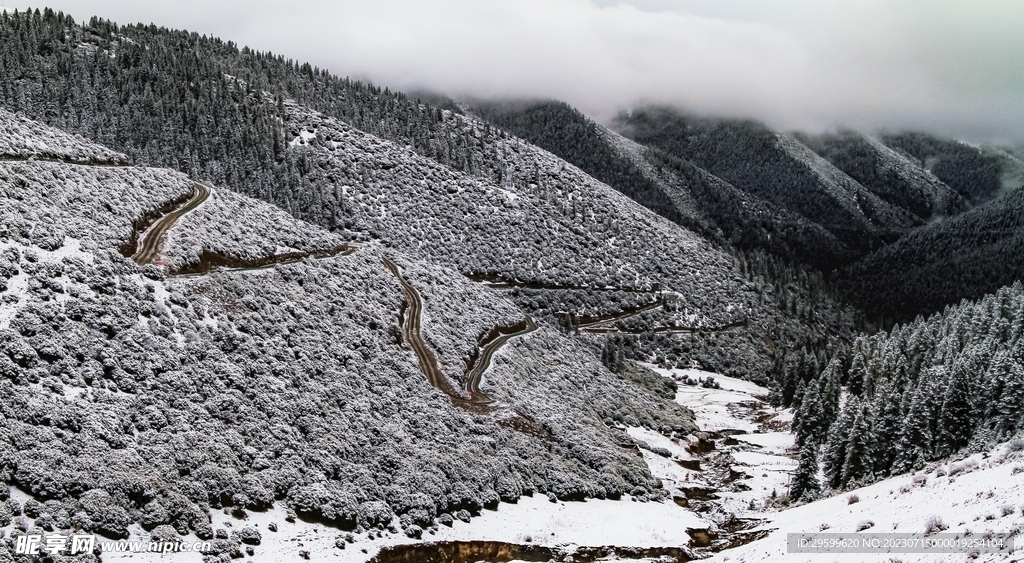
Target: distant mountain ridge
<point x="774" y="167"/>
<point x="672" y="187"/>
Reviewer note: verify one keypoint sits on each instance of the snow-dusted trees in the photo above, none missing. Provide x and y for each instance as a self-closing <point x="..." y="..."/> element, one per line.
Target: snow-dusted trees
<point x="924" y="391"/>
<point x="806" y="485"/>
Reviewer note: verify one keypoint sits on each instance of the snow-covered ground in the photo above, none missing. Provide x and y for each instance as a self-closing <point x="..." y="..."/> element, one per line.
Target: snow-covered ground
<point x="753" y="451"/>
<point x="536" y="520"/>
<point x="17" y="293"/>
<point x="531" y="520"/>
<point x="982" y="494"/>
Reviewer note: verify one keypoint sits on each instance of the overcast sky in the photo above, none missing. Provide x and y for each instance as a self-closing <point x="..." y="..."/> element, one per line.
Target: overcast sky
<point x="954" y="67"/>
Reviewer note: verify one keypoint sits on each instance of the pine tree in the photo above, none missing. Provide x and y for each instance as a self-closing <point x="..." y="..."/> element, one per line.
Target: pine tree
<point x="831" y="390"/>
<point x="916" y="438"/>
<point x="858" y="463"/>
<point x="955" y="414"/>
<point x="834" y="455"/>
<point x="888" y="420"/>
<point x="805" y="484"/>
<point x="812" y="425"/>
<point x="1010" y="410"/>
<point x="798" y="398"/>
<point x="857" y="379"/>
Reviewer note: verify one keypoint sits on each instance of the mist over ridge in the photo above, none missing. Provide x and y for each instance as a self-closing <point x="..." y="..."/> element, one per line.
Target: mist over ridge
<point x="943" y="67"/>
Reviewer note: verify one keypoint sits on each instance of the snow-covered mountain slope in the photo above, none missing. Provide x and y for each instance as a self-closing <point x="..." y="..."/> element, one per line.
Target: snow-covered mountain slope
<point x="887" y="173"/>
<point x="971" y="497"/>
<point x="237" y="226"/>
<point x="742" y="219"/>
<point x="671" y="187"/>
<point x="545" y="223"/>
<point x="24" y="138"/>
<point x="711" y="494"/>
<point x="963" y="257"/>
<point x="977" y="173"/>
<point x="776" y="168"/>
<point x="130" y="396"/>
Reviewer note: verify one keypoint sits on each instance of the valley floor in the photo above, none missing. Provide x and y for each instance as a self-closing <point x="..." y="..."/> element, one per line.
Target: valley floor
<point x="722" y="500"/>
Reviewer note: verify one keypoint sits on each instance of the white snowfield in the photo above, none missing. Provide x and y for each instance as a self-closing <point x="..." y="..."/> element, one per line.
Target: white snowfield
<point x="973" y="497"/>
<point x="763" y="456"/>
<point x="531" y="520"/>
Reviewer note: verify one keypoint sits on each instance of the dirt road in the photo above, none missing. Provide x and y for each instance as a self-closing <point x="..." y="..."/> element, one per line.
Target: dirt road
<point x="149" y="247"/>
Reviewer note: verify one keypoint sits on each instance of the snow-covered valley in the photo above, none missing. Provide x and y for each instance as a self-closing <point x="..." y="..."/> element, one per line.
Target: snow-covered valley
<point x="711" y="491"/>
<point x="250" y="306"/>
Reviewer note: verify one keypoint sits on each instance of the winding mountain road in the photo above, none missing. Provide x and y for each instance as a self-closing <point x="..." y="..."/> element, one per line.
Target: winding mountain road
<point x="210" y="261"/>
<point x="476" y="372"/>
<point x="149" y="247"/>
<point x="605" y="321"/>
<point x="411" y="332"/>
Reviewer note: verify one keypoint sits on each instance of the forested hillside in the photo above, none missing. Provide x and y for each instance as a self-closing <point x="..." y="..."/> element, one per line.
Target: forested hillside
<point x="123" y="85"/>
<point x="776" y="168"/>
<point x="229" y="280"/>
<point x="134" y="395"/>
<point x="670" y="186"/>
<point x="978" y="174"/>
<point x="887" y="173"/>
<point x="360" y="161"/>
<point x="963" y="257"/>
<point x="918" y="393"/>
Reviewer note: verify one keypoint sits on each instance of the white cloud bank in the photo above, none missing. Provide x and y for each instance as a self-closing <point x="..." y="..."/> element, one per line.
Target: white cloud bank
<point x="948" y="66"/>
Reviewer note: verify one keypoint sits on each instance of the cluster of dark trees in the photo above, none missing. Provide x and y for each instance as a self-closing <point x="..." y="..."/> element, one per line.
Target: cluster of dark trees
<point x="919" y="393"/>
<point x="963" y="257"/>
<point x="904" y="184"/>
<point x="756" y="159"/>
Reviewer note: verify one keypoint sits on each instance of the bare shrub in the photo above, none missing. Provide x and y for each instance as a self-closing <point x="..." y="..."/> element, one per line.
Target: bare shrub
<point x="852" y="499"/>
<point x="934" y="524"/>
<point x="963" y="467"/>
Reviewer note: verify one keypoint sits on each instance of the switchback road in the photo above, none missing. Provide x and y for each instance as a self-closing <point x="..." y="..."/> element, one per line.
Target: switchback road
<point x="471" y="394"/>
<point x="149" y="247"/>
<point x="503" y="335"/>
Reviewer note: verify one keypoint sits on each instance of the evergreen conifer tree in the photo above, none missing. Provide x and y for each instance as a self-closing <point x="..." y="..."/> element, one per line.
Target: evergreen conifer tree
<point x="915" y="441"/>
<point x="834" y="454"/>
<point x="955" y="414"/>
<point x="858" y="463"/>
<point x="805" y="484"/>
<point x="831" y="389"/>
<point x="888" y="419"/>
<point x="812" y="425"/>
<point x="857" y="379"/>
